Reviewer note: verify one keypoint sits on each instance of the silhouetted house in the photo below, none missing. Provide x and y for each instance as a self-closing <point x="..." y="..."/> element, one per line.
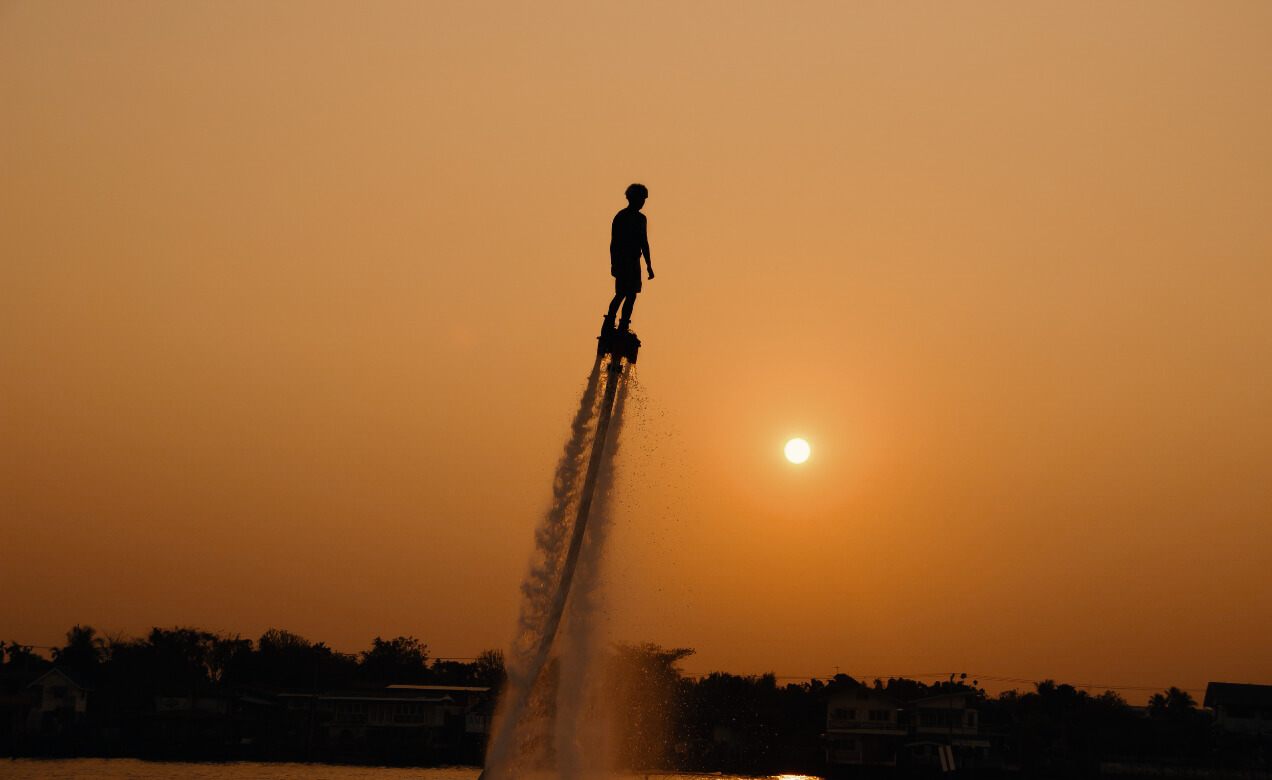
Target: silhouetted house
<point x="59" y="701"/>
<point x="427" y="716"/>
<point x="1241" y="708"/>
<point x="190" y="726"/>
<point x="863" y="727"/>
<point x="481" y="716"/>
<point x="218" y="706"/>
<point x="868" y="727"/>
<point x="252" y="712"/>
<point x="453" y="703"/>
<point x="950" y="721"/>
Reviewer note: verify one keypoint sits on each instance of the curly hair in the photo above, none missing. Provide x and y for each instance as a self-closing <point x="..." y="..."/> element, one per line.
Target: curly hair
<point x="637" y="191"/>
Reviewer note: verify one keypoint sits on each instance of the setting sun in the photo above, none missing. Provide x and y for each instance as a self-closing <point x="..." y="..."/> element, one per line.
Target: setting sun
<point x="797" y="450"/>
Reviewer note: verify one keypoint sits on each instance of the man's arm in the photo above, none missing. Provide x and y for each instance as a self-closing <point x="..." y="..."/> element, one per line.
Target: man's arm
<point x="644" y="248"/>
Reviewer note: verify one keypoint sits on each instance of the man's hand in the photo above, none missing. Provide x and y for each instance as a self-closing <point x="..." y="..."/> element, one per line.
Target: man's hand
<point x="651" y="273"/>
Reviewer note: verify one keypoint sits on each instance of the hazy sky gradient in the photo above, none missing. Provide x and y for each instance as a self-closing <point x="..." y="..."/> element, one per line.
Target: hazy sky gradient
<point x="296" y="300"/>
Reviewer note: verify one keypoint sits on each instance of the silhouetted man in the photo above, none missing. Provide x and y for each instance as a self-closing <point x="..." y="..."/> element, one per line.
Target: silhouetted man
<point x="629" y="240"/>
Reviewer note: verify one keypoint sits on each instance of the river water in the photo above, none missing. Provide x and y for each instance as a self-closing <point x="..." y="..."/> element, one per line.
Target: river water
<point x="134" y="769"/>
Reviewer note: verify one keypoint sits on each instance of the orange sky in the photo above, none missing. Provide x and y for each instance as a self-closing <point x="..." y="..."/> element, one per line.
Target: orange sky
<point x="297" y="298"/>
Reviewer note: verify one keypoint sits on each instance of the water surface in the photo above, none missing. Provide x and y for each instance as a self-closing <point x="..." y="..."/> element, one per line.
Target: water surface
<point x="136" y="769"/>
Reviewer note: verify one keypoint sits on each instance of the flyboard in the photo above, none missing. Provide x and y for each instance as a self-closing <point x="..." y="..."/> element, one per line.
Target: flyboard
<point x="621" y="346"/>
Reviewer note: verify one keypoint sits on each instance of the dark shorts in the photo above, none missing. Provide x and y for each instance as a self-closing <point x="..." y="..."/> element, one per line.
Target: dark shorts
<point x="627" y="282"/>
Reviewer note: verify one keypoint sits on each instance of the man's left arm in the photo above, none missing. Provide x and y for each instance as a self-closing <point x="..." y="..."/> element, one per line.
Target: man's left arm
<point x="644" y="237"/>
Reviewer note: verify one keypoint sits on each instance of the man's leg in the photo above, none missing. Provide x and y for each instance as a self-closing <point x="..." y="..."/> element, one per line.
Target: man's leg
<point x="627" y="312"/>
<point x="613" y="307"/>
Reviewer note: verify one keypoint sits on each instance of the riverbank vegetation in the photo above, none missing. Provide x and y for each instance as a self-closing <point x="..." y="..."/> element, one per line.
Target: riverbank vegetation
<point x="185" y="693"/>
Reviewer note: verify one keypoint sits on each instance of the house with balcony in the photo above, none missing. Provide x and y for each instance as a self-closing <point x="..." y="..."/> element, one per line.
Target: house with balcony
<point x="427" y="713"/>
<point x="864" y="727"/>
<point x="869" y="727"/>
<point x="947" y="723"/>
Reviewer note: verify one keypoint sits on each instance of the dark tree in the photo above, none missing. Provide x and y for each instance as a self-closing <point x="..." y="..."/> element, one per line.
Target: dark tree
<point x="22" y="658"/>
<point x="180" y="659"/>
<point x="1061" y="730"/>
<point x="488" y="670"/>
<point x="84" y="651"/>
<point x="403" y="659"/>
<point x="290" y="661"/>
<point x="229" y="659"/>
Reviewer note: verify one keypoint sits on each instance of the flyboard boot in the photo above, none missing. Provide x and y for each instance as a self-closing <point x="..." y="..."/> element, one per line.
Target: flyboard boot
<point x="618" y="342"/>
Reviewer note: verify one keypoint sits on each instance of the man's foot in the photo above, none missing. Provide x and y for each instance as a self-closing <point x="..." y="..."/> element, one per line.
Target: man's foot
<point x="623" y="324"/>
<point x="609" y="321"/>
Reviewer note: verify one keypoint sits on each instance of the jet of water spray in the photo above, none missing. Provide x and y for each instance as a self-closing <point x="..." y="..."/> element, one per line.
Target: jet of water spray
<point x="515" y="741"/>
<point x="583" y="713"/>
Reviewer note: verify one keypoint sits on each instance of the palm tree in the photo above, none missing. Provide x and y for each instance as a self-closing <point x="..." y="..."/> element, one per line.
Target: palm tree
<point x="84" y="650"/>
<point x="1173" y="702"/>
<point x="1179" y="700"/>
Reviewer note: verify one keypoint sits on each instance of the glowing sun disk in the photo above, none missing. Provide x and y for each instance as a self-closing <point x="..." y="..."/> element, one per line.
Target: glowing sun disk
<point x="797" y="450"/>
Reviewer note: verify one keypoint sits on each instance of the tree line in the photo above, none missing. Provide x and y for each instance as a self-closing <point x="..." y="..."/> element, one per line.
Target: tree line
<point x="662" y="719"/>
<point x="230" y="693"/>
<point x="753" y="725"/>
<point x="185" y="660"/>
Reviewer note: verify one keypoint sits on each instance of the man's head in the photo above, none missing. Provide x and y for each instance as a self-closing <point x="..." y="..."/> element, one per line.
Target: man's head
<point x="636" y="195"/>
